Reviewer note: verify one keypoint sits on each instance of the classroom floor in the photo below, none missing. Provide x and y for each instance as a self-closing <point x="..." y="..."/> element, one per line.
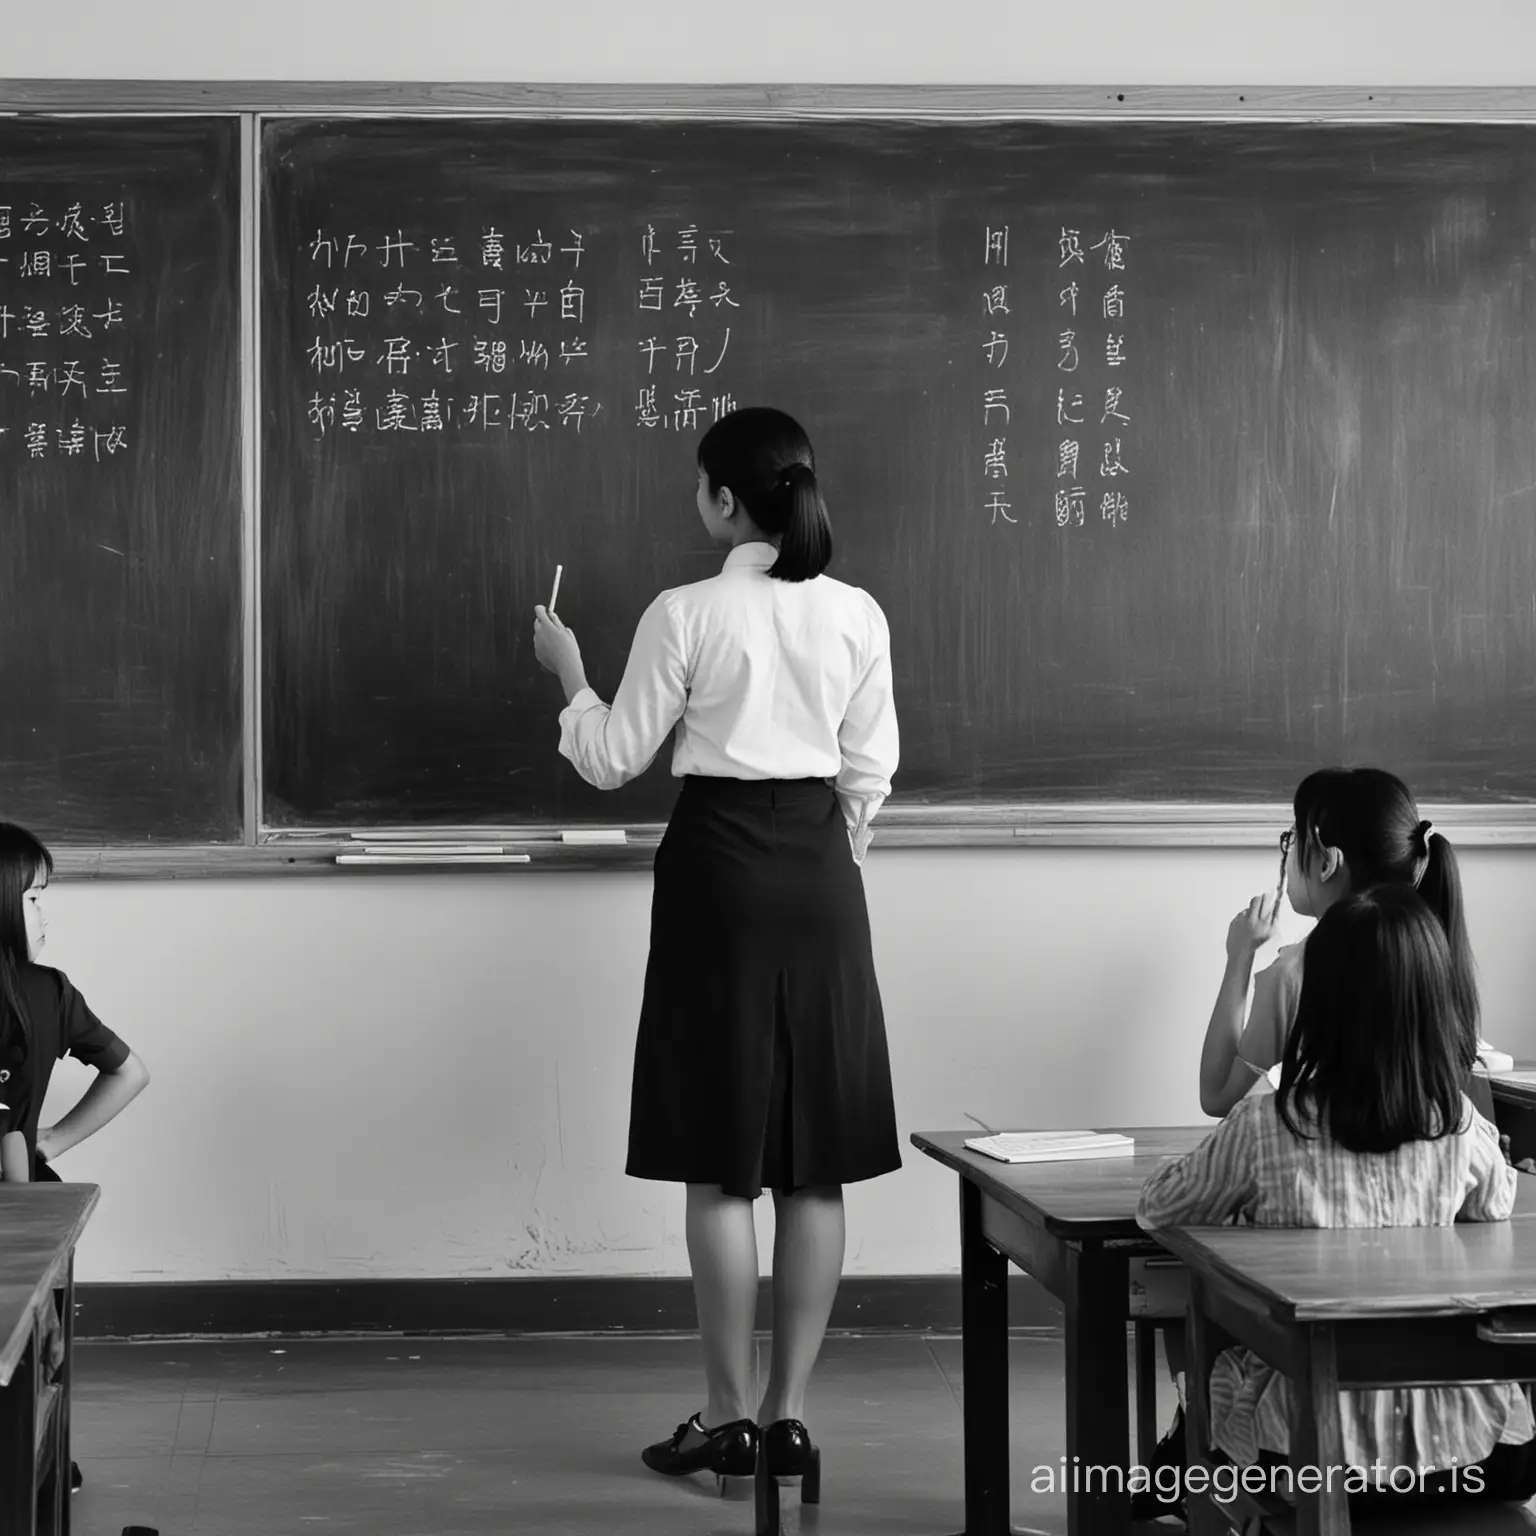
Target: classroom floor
<point x="434" y="1437"/>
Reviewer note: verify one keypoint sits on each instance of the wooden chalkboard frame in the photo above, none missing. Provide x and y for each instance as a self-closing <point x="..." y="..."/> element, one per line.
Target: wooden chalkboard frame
<point x="1001" y="825"/>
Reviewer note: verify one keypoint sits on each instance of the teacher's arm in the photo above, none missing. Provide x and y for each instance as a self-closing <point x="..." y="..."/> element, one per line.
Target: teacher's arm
<point x="610" y="744"/>
<point x="868" y="740"/>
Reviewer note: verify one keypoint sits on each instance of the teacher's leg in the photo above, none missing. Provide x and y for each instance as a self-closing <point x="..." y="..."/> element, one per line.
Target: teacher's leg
<point x="808" y="1243"/>
<point x="722" y="1251"/>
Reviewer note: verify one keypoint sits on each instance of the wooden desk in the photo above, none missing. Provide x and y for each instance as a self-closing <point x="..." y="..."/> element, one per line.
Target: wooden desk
<point x="1072" y="1226"/>
<point x="39" y="1227"/>
<point x="1409" y="1306"/>
<point x="1514" y="1108"/>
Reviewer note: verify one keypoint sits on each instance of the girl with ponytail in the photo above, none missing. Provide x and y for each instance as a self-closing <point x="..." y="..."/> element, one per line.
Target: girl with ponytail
<point x="1354" y="828"/>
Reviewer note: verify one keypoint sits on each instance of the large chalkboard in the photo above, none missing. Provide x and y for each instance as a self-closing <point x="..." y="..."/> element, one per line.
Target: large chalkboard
<point x="1183" y="456"/>
<point x="120" y="642"/>
<point x="1296" y="365"/>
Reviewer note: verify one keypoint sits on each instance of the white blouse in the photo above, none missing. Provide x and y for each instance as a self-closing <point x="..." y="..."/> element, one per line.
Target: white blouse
<point x="764" y="679"/>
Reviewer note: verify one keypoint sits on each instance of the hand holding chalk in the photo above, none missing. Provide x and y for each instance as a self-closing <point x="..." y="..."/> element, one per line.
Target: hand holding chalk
<point x="557" y="651"/>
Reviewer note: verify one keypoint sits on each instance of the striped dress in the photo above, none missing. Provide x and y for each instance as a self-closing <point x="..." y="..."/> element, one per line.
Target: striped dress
<point x="1252" y="1167"/>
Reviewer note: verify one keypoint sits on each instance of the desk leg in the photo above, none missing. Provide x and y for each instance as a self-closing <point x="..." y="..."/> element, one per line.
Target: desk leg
<point x="1317" y="1437"/>
<point x="1146" y="1390"/>
<point x="1098" y="1418"/>
<point x="984" y="1356"/>
<point x="62" y="1441"/>
<point x="18" y="1446"/>
<point x="1204" y="1518"/>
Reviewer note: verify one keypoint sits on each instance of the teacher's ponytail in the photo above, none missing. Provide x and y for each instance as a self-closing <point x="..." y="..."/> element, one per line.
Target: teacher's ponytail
<point x="805" y="548"/>
<point x="764" y="457"/>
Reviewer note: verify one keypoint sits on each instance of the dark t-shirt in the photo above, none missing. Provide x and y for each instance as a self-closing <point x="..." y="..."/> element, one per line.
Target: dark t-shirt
<point x="61" y="1023"/>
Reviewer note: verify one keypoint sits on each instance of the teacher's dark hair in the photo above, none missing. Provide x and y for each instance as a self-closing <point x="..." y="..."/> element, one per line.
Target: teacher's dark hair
<point x="764" y="458"/>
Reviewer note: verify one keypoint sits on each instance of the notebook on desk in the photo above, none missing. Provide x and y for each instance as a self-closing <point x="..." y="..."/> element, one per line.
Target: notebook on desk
<point x="1052" y="1146"/>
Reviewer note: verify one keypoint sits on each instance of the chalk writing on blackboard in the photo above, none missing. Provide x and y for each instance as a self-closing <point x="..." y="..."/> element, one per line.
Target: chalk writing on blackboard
<point x="415" y="337"/>
<point x="995" y="410"/>
<point x="1077" y="352"/>
<point x="1071" y="497"/>
<point x="409" y="337"/>
<point x="67" y="301"/>
<point x="688" y="395"/>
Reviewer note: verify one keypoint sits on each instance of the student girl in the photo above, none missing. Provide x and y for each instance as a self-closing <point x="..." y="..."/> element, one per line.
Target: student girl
<point x="1370" y="1127"/>
<point x="43" y="1017"/>
<point x="761" y="1061"/>
<point x="1354" y="827"/>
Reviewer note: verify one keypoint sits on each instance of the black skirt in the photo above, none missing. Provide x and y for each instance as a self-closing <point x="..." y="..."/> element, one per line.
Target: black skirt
<point x="761" y="1060"/>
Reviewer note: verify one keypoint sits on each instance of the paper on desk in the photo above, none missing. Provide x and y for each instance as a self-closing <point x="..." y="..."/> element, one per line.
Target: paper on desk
<point x="1052" y="1146"/>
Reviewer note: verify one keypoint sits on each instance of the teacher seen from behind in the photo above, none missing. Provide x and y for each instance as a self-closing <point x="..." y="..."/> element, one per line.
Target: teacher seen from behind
<point x="761" y="1061"/>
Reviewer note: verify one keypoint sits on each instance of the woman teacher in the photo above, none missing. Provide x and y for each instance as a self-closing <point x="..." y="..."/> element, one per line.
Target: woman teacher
<point x="761" y="1060"/>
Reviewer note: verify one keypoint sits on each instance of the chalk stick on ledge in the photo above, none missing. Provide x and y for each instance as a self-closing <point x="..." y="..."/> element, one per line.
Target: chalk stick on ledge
<point x="431" y="860"/>
<point x="586" y="837"/>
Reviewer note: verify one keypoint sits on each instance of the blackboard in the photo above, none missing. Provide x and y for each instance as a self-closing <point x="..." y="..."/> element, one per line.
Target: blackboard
<point x="1303" y="531"/>
<point x="120" y="638"/>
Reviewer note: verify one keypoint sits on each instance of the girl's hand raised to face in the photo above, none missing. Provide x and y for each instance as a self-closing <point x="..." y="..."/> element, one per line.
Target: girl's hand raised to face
<point x="1253" y="927"/>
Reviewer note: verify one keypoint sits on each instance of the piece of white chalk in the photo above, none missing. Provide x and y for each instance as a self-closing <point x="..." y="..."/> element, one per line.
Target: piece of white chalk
<point x="556" y="593"/>
<point x="591" y="835"/>
<point x="429" y="850"/>
<point x="428" y="860"/>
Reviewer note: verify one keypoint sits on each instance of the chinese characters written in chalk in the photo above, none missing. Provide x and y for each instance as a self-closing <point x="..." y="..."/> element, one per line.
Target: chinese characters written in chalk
<point x="996" y="409"/>
<point x="1091" y="410"/>
<point x="423" y="333"/>
<point x="67" y="307"/>
<point x="687" y="312"/>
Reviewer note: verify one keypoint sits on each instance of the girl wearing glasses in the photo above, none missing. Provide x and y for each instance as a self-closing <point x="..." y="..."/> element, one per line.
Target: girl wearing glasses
<point x="1354" y="828"/>
<point x="1370" y="1127"/>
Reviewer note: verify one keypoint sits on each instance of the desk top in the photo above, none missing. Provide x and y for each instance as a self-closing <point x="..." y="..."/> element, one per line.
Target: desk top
<point x="39" y="1227"/>
<point x="1518" y="1086"/>
<point x="1092" y="1198"/>
<point x="1310" y="1274"/>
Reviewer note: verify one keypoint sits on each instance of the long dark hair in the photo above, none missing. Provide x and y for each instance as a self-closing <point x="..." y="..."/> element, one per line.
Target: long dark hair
<point x="1369" y="816"/>
<point x="22" y="859"/>
<point x="1376" y="1052"/>
<point x="765" y="459"/>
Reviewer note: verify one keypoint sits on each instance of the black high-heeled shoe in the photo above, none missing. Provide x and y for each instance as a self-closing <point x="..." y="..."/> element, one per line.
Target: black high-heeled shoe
<point x="729" y="1451"/>
<point x="784" y="1449"/>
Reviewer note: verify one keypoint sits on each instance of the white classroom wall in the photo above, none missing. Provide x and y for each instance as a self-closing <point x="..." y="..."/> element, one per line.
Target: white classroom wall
<point x="428" y="1076"/>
